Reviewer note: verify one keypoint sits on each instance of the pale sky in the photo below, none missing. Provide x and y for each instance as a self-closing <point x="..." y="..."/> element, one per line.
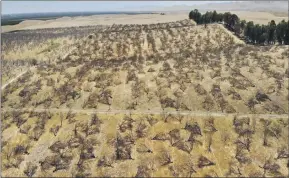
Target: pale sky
<point x="15" y="7"/>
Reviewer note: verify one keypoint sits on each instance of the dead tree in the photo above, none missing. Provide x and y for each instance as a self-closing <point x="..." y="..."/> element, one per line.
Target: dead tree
<point x="105" y="161"/>
<point x="234" y="170"/>
<point x="175" y="136"/>
<point x="141" y="129"/>
<point x="123" y="148"/>
<point x="165" y="158"/>
<point x="270" y="167"/>
<point x="180" y="117"/>
<point x="55" y="129"/>
<point x="283" y="153"/>
<point x="30" y="169"/>
<point x="193" y="128"/>
<point x="270" y="130"/>
<point x="17" y="118"/>
<point x="203" y="162"/>
<point x="210" y="130"/>
<point x="95" y="120"/>
<point x="127" y="124"/>
<point x="151" y="120"/>
<point x="241" y="156"/>
<point x="144" y="170"/>
<point x="57" y="146"/>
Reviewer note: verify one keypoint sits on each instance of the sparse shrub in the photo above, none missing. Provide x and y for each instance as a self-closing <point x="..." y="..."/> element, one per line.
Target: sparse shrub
<point x="146" y="168"/>
<point x="141" y="129"/>
<point x="242" y="156"/>
<point x="123" y="148"/>
<point x="55" y="161"/>
<point x="167" y="102"/>
<point x="105" y="97"/>
<point x="203" y="162"/>
<point x="25" y="129"/>
<point x="271" y="167"/>
<point x="283" y="153"/>
<point x="105" y="161"/>
<point x="164" y="158"/>
<point x="200" y="90"/>
<point x="91" y="101"/>
<point x="58" y="146"/>
<point x="161" y="136"/>
<point x="131" y="76"/>
<point x="30" y="169"/>
<point x="174" y="136"/>
<point x="251" y="103"/>
<point x="127" y="124"/>
<point x="36" y="133"/>
<point x="151" y="70"/>
<point x="208" y="103"/>
<point x="54" y="130"/>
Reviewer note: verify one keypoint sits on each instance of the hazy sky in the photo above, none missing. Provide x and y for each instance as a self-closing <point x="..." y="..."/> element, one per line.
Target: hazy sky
<point x="10" y="7"/>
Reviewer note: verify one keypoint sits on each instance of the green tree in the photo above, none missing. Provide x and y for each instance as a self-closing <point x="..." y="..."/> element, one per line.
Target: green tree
<point x="243" y="24"/>
<point x="207" y="17"/>
<point x="264" y="29"/>
<point x="226" y="17"/>
<point x="234" y="19"/>
<point x="271" y="32"/>
<point x="220" y="17"/>
<point x="249" y="30"/>
<point x="237" y="28"/>
<point x="280" y="31"/>
<point x="286" y="37"/>
<point x="215" y="17"/>
<point x="255" y="33"/>
<point x="195" y="15"/>
<point x="263" y="38"/>
<point x="198" y="16"/>
<point x="258" y="33"/>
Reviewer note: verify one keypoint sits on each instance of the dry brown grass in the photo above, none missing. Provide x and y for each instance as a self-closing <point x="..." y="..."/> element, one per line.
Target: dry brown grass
<point x="201" y="144"/>
<point x="195" y="70"/>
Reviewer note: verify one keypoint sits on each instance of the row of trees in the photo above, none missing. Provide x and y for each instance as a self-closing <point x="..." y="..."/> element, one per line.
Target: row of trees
<point x="208" y="17"/>
<point x="267" y="34"/>
<point x="253" y="33"/>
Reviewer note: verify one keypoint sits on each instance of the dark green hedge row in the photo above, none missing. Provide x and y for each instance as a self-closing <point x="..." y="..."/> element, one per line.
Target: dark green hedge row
<point x="253" y="33"/>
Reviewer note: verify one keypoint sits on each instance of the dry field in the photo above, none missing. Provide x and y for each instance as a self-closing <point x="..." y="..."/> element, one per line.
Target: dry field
<point x="128" y="145"/>
<point x="171" y="99"/>
<point x="25" y="48"/>
<point x="260" y="17"/>
<point x="171" y="15"/>
<point x="46" y="40"/>
<point x="94" y="20"/>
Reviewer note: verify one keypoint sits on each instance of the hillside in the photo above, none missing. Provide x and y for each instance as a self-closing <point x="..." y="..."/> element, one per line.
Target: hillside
<point x="158" y="68"/>
<point x="170" y="99"/>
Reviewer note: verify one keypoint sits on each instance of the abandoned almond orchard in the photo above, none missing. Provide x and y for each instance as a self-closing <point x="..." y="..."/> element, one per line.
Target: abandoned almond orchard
<point x="168" y="99"/>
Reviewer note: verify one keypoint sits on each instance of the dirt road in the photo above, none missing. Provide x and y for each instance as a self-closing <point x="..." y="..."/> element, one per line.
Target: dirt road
<point x="156" y="112"/>
<point x="14" y="79"/>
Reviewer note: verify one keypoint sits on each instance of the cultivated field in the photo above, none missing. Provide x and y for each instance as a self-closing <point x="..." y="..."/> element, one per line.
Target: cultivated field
<point x="159" y="68"/>
<point x="46" y="144"/>
<point x="95" y="20"/>
<point x="26" y="48"/>
<point x="170" y="99"/>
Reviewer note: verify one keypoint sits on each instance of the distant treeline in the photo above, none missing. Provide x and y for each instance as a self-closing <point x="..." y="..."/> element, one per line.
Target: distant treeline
<point x="253" y="33"/>
<point x="17" y="21"/>
<point x="10" y="22"/>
